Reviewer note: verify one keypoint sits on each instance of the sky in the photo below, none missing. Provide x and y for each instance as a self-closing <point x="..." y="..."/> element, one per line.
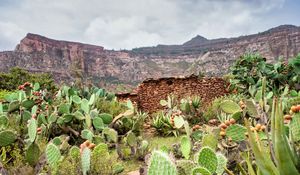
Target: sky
<point x="126" y="24"/>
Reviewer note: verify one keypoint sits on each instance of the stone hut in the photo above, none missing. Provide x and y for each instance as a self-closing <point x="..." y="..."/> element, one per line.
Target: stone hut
<point x="149" y="93"/>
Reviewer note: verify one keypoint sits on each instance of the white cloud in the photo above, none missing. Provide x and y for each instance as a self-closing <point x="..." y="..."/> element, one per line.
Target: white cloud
<point x="133" y="23"/>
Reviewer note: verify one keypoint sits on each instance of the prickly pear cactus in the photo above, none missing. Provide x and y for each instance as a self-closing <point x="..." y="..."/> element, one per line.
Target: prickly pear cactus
<point x="85" y="160"/>
<point x="7" y="137"/>
<point x="251" y="108"/>
<point x="185" y="167"/>
<point x="32" y="129"/>
<point x="52" y="154"/>
<point x="85" y="105"/>
<point x="236" y="132"/>
<point x="98" y="123"/>
<point x="201" y="171"/>
<point x="161" y="164"/>
<point x="207" y="158"/>
<point x="107" y="118"/>
<point x="210" y="140"/>
<point x="87" y="134"/>
<point x="222" y="161"/>
<point x="32" y="154"/>
<point x="230" y="107"/>
<point x="185" y="147"/>
<point x="295" y="127"/>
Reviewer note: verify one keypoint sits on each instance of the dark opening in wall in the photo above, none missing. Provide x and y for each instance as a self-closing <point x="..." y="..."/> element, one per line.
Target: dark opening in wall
<point x="169" y="82"/>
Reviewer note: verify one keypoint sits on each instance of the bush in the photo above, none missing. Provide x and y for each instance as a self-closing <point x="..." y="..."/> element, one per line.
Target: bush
<point x="17" y="76"/>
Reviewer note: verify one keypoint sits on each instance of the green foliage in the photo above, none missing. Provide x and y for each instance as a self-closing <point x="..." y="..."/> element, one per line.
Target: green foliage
<point x="185" y="167"/>
<point x="201" y="171"/>
<point x="160" y="164"/>
<point x="17" y="76"/>
<point x="4" y="93"/>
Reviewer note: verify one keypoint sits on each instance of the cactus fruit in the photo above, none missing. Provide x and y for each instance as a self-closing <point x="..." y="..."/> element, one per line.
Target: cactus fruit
<point x="207" y="158"/>
<point x="185" y="147"/>
<point x="32" y="129"/>
<point x="210" y="140"/>
<point x="98" y="123"/>
<point x="201" y="171"/>
<point x="52" y="154"/>
<point x="32" y="154"/>
<point x="85" y="160"/>
<point x="230" y="107"/>
<point x="7" y="137"/>
<point x="161" y="164"/>
<point x="222" y="161"/>
<point x="295" y="127"/>
<point x="185" y="167"/>
<point x="236" y="132"/>
<point x="107" y="118"/>
<point x="178" y="121"/>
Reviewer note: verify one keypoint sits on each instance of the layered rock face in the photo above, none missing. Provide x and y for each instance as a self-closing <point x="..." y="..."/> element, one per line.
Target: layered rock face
<point x="66" y="60"/>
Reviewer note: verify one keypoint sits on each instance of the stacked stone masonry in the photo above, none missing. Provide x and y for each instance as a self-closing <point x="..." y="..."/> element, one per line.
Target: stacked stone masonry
<point x="149" y="93"/>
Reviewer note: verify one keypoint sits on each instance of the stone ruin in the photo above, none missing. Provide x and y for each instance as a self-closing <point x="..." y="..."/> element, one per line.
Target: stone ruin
<point x="149" y="93"/>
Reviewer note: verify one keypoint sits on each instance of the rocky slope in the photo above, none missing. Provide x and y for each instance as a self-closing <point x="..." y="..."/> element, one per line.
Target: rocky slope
<point x="66" y="60"/>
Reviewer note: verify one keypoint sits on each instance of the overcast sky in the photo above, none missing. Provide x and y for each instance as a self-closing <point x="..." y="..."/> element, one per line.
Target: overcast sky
<point x="120" y="24"/>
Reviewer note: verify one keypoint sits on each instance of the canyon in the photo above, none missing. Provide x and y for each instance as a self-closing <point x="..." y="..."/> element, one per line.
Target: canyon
<point x="68" y="61"/>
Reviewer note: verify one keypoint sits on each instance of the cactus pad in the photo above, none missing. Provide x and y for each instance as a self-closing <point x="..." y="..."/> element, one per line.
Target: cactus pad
<point x="52" y="154"/>
<point x="178" y="121"/>
<point x="251" y="108"/>
<point x="207" y="158"/>
<point x="7" y="137"/>
<point x="87" y="134"/>
<point x="98" y="123"/>
<point x="230" y="107"/>
<point x="85" y="105"/>
<point x="3" y="121"/>
<point x="161" y="164"/>
<point x="32" y="129"/>
<point x="13" y="106"/>
<point x="85" y="160"/>
<point x="222" y="161"/>
<point x="236" y="132"/>
<point x="131" y="139"/>
<point x="74" y="152"/>
<point x="201" y="171"/>
<point x="110" y="134"/>
<point x="185" y="147"/>
<point x="295" y="127"/>
<point x="185" y="167"/>
<point x="107" y="118"/>
<point x="210" y="140"/>
<point x="32" y="154"/>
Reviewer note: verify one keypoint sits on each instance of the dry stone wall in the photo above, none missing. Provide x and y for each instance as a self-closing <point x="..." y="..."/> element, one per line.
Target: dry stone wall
<point x="149" y="93"/>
